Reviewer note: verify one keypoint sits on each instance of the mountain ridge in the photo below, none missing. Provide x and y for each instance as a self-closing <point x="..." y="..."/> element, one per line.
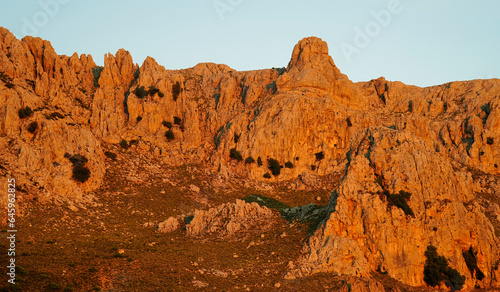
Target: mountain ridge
<point x="385" y="137"/>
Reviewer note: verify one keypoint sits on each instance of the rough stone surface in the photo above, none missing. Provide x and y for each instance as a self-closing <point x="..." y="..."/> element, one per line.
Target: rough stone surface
<point x="363" y="285"/>
<point x="438" y="143"/>
<point x="169" y="225"/>
<point x="231" y="218"/>
<point x="226" y="220"/>
<point x="364" y="234"/>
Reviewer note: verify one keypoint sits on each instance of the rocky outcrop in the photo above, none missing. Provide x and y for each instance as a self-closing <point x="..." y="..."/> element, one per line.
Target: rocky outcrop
<point x="311" y="68"/>
<point x="38" y="144"/>
<point x="169" y="225"/>
<point x="109" y="115"/>
<point x="362" y="285"/>
<point x="439" y="144"/>
<point x="227" y="220"/>
<point x="365" y="232"/>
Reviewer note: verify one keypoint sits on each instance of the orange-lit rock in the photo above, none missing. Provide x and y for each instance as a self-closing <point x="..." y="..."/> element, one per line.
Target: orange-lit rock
<point x="439" y="143"/>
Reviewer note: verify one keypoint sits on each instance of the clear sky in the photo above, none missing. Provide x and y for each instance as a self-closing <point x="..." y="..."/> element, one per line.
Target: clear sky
<point x="420" y="42"/>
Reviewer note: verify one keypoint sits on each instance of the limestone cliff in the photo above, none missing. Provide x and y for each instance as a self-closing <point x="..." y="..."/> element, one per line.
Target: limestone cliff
<point x="59" y="114"/>
<point x="365" y="233"/>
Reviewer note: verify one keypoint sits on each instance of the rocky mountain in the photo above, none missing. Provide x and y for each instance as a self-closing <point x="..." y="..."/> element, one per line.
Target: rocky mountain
<point x="420" y="166"/>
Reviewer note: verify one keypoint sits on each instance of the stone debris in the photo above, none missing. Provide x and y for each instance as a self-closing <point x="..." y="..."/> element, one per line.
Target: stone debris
<point x="199" y="284"/>
<point x="169" y="225"/>
<point x="225" y="220"/>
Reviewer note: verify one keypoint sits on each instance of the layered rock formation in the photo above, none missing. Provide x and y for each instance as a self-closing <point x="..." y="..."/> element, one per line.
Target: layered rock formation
<point x="227" y="220"/>
<point x="440" y="144"/>
<point x="37" y="146"/>
<point x="364" y="233"/>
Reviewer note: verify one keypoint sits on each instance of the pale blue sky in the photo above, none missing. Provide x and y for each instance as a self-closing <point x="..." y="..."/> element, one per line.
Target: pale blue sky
<point x="420" y="42"/>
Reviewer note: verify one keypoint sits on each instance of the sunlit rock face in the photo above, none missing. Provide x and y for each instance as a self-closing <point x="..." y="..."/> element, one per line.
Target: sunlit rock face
<point x="59" y="114"/>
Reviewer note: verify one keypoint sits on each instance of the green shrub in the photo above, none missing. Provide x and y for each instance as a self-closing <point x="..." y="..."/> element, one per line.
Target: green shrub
<point x="110" y="155"/>
<point x="54" y="286"/>
<point x="267" y="175"/>
<point x="32" y="127"/>
<point x="177" y="120"/>
<point x="167" y="124"/>
<point x="140" y="92"/>
<point x="4" y="77"/>
<point x="243" y="95"/>
<point x="124" y="144"/>
<point x="399" y="200"/>
<point x="81" y="173"/>
<point x="138" y="119"/>
<point x="235" y="154"/>
<point x="436" y="270"/>
<point x="169" y="135"/>
<point x="378" y="180"/>
<point x="176" y="90"/>
<point x="259" y="161"/>
<point x="96" y="71"/>
<point x="78" y="159"/>
<point x="288" y="164"/>
<point x="153" y="90"/>
<point x="21" y="271"/>
<point x="266" y="201"/>
<point x="249" y="160"/>
<point x="236" y="138"/>
<point x="24" y="112"/>
<point x="160" y="94"/>
<point x="471" y="261"/>
<point x="349" y="123"/>
<point x="271" y="87"/>
<point x="313" y="167"/>
<point x="489" y="140"/>
<point x="280" y="70"/>
<point x="319" y="155"/>
<point x="274" y="166"/>
<point x="137" y="73"/>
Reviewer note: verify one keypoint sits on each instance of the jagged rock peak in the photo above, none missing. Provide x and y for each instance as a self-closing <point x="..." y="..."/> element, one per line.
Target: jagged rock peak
<point x="307" y="50"/>
<point x="118" y="70"/>
<point x="311" y="68"/>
